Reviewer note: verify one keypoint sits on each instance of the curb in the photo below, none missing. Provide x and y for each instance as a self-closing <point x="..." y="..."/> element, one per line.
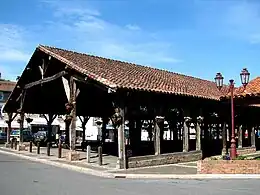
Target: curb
<point x="188" y="177"/>
<point x="62" y="165"/>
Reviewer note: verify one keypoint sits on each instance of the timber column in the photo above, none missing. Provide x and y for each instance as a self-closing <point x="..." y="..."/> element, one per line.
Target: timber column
<point x="11" y="117"/>
<point x="198" y="133"/>
<point x="21" y="120"/>
<point x="240" y="136"/>
<point x="119" y="120"/>
<point x="224" y="139"/>
<point x="157" y="132"/>
<point x="185" y="134"/>
<point x="253" y="137"/>
<point x="73" y="155"/>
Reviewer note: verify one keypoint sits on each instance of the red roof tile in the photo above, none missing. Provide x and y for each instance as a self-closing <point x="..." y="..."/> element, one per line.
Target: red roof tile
<point x="118" y="74"/>
<point x="7" y="86"/>
<point x="252" y="88"/>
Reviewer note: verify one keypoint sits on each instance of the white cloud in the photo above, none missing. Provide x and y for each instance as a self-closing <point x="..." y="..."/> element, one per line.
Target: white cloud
<point x="13" y="55"/>
<point x="91" y="33"/>
<point x="12" y="43"/>
<point x="13" y="50"/>
<point x="132" y="27"/>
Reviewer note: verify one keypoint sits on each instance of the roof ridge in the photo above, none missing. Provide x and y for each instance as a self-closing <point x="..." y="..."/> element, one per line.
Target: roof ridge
<point x="131" y="63"/>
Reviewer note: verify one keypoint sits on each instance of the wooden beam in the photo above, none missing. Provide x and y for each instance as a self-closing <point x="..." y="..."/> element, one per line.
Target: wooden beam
<point x="45" y="80"/>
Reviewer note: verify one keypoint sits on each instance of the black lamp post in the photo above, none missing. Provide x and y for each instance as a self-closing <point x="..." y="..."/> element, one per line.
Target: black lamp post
<point x="244" y="76"/>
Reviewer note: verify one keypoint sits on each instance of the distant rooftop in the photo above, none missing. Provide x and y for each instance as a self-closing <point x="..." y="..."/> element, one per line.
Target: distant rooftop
<point x="6" y="85"/>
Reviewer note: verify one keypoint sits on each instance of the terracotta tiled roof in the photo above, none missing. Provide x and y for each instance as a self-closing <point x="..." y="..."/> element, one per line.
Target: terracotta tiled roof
<point x="118" y="74"/>
<point x="7" y="86"/>
<point x="252" y="88"/>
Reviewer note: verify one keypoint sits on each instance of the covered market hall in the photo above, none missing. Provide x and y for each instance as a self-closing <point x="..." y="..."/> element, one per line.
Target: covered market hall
<point x="134" y="97"/>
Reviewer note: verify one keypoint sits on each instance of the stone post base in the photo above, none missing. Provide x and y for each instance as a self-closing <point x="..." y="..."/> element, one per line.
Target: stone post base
<point x="8" y="145"/>
<point x="120" y="164"/>
<point x="73" y="156"/>
<point x="21" y="147"/>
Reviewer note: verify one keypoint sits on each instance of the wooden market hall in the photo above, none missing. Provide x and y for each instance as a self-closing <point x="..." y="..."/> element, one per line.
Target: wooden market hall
<point x="62" y="82"/>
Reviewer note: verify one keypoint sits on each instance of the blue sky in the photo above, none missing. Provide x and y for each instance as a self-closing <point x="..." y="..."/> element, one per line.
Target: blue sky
<point x="191" y="37"/>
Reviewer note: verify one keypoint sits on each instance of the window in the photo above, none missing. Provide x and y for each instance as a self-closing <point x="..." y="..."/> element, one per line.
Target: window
<point x="1" y="96"/>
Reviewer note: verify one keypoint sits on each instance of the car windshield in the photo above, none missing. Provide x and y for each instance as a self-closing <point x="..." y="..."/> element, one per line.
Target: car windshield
<point x="3" y="134"/>
<point x="41" y="132"/>
<point x="15" y="132"/>
<point x="27" y="132"/>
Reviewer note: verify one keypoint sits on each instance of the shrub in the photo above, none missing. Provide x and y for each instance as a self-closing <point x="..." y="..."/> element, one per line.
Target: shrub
<point x="240" y="158"/>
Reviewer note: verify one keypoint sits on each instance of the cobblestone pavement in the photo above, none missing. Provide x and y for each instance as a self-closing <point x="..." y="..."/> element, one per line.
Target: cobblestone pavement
<point x="22" y="177"/>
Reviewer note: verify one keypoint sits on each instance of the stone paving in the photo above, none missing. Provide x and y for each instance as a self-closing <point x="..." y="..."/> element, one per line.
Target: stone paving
<point x="164" y="169"/>
<point x="109" y="163"/>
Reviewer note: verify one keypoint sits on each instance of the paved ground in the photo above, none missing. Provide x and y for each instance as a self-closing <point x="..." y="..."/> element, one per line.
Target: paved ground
<point x="163" y="169"/>
<point x="109" y="161"/>
<point x="181" y="168"/>
<point x="21" y="177"/>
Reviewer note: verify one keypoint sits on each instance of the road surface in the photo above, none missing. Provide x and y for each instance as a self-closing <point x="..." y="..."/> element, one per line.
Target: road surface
<point x="22" y="177"/>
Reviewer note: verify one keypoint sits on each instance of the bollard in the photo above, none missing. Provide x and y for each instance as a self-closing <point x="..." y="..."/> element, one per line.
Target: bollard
<point x="100" y="155"/>
<point x="88" y="153"/>
<point x="59" y="149"/>
<point x="12" y="144"/>
<point x="48" y="149"/>
<point x="30" y="147"/>
<point x="38" y="147"/>
<point x="15" y="144"/>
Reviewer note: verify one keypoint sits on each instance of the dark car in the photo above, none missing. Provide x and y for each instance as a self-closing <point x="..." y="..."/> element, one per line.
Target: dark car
<point x="42" y="138"/>
<point x="27" y="135"/>
<point x="3" y="137"/>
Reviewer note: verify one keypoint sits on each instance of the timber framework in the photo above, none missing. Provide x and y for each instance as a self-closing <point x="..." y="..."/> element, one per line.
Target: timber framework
<point x="62" y="82"/>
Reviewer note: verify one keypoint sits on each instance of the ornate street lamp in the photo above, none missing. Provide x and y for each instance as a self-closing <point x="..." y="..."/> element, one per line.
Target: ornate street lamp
<point x="244" y="75"/>
<point x="219" y="80"/>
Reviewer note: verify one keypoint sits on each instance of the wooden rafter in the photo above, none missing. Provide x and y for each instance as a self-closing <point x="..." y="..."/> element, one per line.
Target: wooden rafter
<point x="45" y="80"/>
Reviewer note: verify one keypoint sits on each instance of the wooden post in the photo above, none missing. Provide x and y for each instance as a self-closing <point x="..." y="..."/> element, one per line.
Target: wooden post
<point x="185" y="136"/>
<point x="253" y="137"/>
<point x="157" y="140"/>
<point x="59" y="149"/>
<point x="73" y="114"/>
<point x="21" y="127"/>
<point x="157" y="131"/>
<point x="11" y="117"/>
<point x="84" y="121"/>
<point x="224" y="138"/>
<point x="22" y="116"/>
<point x="240" y="136"/>
<point x="48" y="148"/>
<point x="121" y="139"/>
<point x="38" y="147"/>
<point x="88" y="153"/>
<point x="50" y="120"/>
<point x="198" y="136"/>
<point x="30" y="147"/>
<point x="100" y="158"/>
<point x="104" y="127"/>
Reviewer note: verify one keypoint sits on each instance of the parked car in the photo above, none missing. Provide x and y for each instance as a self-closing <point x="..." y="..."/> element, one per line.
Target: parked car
<point x="42" y="138"/>
<point x="27" y="135"/>
<point x="3" y="137"/>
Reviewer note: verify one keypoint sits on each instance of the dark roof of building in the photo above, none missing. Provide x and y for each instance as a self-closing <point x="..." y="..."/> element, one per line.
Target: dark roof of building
<point x="118" y="74"/>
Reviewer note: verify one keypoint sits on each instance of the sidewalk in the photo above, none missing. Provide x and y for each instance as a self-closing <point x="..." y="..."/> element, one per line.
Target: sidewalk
<point x="174" y="171"/>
